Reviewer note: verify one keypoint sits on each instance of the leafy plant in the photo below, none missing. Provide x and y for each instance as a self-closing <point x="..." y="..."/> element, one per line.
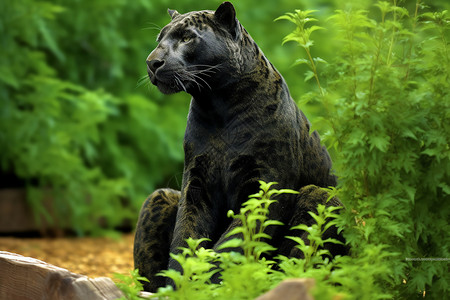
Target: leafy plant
<point x="253" y="217"/>
<point x="301" y="36"/>
<point x="131" y="285"/>
<point x="312" y="252"/>
<point x="198" y="267"/>
<point x="243" y="274"/>
<point x="246" y="274"/>
<point x="79" y="151"/>
<point x="387" y="96"/>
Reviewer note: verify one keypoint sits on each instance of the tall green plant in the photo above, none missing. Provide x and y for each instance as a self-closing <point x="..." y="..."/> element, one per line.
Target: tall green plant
<point x="254" y="220"/>
<point x="385" y="115"/>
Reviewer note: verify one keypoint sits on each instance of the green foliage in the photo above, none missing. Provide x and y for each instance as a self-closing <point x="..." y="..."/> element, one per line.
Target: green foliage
<point x="198" y="267"/>
<point x="243" y="274"/>
<point x="311" y="252"/>
<point x="316" y="262"/>
<point x="301" y="35"/>
<point x="131" y="285"/>
<point x="49" y="131"/>
<point x="384" y="115"/>
<point x="248" y="274"/>
<point x="87" y="157"/>
<point x="253" y="217"/>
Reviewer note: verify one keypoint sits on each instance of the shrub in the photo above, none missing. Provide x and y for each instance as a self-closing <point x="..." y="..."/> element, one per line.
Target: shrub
<point x="384" y="99"/>
<point x="95" y="155"/>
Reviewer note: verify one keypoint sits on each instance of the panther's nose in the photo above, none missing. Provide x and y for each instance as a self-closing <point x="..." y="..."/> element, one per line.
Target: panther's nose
<point x="154" y="64"/>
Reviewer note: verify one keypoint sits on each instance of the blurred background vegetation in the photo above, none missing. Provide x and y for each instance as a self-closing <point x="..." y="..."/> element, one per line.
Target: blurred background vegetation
<point x="78" y="119"/>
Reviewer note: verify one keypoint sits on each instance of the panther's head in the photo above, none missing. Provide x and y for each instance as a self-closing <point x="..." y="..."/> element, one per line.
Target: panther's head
<point x="195" y="50"/>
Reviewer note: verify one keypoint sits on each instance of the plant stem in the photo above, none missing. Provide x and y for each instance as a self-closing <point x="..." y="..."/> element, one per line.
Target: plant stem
<point x="394" y="30"/>
<point x="314" y="69"/>
<point x="414" y="24"/>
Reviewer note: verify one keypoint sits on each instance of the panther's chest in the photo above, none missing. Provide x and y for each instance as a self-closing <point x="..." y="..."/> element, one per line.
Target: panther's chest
<point x="223" y="141"/>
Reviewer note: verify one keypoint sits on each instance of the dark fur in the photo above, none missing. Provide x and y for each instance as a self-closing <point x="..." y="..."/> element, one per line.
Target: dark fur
<point x="242" y="127"/>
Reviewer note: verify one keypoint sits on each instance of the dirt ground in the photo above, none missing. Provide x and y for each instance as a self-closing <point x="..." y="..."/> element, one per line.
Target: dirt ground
<point x="94" y="257"/>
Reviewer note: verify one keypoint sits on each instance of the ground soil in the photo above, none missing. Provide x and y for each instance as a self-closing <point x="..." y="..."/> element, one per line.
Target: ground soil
<point x="94" y="257"/>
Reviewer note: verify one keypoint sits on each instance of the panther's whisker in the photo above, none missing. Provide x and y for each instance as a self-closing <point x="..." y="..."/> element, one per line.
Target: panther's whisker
<point x="208" y="68"/>
<point x="186" y="76"/>
<point x="203" y="72"/>
<point x="198" y="77"/>
<point x="144" y="80"/>
<point x="194" y="78"/>
<point x="179" y="82"/>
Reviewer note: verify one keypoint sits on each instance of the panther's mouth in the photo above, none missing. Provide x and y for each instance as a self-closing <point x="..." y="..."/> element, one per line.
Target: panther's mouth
<point x="151" y="76"/>
<point x="166" y="84"/>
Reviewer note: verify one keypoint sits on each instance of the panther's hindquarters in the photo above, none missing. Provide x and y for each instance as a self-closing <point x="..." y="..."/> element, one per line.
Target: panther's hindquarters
<point x="154" y="233"/>
<point x="309" y="198"/>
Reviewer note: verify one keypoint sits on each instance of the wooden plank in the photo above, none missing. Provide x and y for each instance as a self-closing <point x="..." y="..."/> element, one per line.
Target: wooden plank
<point x="24" y="278"/>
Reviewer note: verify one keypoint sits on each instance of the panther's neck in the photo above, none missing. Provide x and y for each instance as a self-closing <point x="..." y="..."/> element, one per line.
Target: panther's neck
<point x="255" y="92"/>
<point x="251" y="84"/>
<point x="251" y="57"/>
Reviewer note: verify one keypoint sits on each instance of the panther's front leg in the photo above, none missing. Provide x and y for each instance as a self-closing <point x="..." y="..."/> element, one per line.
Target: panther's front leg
<point x="195" y="219"/>
<point x="153" y="236"/>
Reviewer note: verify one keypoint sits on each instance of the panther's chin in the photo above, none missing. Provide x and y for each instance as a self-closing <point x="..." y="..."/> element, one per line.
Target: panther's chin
<point x="165" y="87"/>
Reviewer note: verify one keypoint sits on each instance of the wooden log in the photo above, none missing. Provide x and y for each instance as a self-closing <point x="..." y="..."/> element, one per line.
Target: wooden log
<point x="24" y="278"/>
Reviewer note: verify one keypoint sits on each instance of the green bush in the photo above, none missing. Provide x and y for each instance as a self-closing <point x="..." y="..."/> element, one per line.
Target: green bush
<point x="384" y="104"/>
<point x="96" y="154"/>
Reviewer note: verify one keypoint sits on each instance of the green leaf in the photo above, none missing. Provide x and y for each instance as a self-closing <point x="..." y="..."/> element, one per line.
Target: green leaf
<point x="319" y="60"/>
<point x="309" y="75"/>
<point x="297" y="239"/>
<point x="301" y="61"/>
<point x="380" y="142"/>
<point x="272" y="223"/>
<point x="236" y="230"/>
<point x="301" y="227"/>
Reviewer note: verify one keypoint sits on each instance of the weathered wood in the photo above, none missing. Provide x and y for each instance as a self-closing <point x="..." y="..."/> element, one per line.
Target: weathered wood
<point x="24" y="278"/>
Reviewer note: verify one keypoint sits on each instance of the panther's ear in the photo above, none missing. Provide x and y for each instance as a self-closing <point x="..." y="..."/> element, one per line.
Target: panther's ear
<point x="173" y="13"/>
<point x="226" y="15"/>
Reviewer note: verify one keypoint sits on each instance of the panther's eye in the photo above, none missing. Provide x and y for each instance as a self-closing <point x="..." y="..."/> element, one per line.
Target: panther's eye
<point x="186" y="39"/>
